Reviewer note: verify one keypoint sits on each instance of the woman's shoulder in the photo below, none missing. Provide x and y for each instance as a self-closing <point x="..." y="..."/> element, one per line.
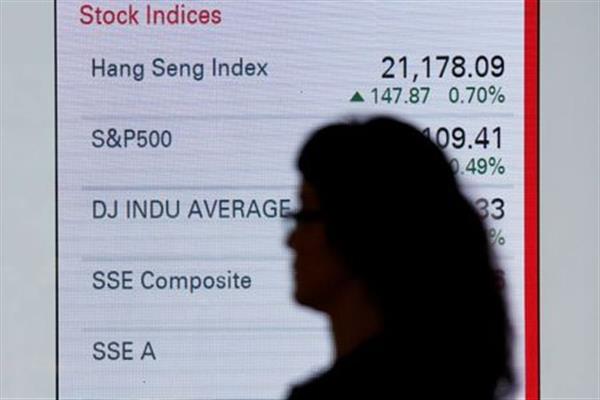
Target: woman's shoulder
<point x="367" y="370"/>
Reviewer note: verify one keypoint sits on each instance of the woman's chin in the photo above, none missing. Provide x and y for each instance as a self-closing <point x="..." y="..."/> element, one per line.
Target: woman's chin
<point x="300" y="297"/>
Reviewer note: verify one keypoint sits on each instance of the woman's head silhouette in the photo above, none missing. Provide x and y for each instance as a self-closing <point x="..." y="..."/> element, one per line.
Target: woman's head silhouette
<point x="386" y="242"/>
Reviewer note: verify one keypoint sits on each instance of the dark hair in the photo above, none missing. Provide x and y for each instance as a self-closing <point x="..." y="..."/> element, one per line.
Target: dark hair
<point x="393" y="211"/>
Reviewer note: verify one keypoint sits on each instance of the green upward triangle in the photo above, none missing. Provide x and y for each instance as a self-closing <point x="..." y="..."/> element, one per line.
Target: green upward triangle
<point x="357" y="98"/>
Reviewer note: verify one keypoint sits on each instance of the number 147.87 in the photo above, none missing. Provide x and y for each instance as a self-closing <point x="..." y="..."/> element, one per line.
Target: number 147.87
<point x="396" y="95"/>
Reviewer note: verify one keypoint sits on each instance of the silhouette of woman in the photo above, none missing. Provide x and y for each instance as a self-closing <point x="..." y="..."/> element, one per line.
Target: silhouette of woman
<point x="387" y="246"/>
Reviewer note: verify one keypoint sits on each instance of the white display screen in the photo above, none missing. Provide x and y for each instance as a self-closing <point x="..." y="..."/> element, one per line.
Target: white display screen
<point x="178" y="127"/>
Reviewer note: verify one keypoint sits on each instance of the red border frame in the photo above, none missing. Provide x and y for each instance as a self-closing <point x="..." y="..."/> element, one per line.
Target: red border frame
<point x="532" y="354"/>
<point x="531" y="46"/>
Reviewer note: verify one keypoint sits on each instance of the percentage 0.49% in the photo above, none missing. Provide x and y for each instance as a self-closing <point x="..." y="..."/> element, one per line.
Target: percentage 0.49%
<point x="479" y="166"/>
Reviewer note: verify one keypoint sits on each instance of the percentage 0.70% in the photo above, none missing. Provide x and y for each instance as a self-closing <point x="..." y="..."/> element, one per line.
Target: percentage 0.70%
<point x="477" y="94"/>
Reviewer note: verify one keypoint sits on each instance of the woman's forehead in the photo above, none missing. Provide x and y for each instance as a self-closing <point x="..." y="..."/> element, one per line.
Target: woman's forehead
<point x="308" y="196"/>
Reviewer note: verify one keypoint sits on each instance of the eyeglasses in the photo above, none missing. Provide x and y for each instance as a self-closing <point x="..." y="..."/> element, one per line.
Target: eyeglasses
<point x="304" y="216"/>
<point x="301" y="217"/>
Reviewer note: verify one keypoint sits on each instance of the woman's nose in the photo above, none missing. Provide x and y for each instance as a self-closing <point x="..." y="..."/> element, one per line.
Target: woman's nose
<point x="291" y="238"/>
